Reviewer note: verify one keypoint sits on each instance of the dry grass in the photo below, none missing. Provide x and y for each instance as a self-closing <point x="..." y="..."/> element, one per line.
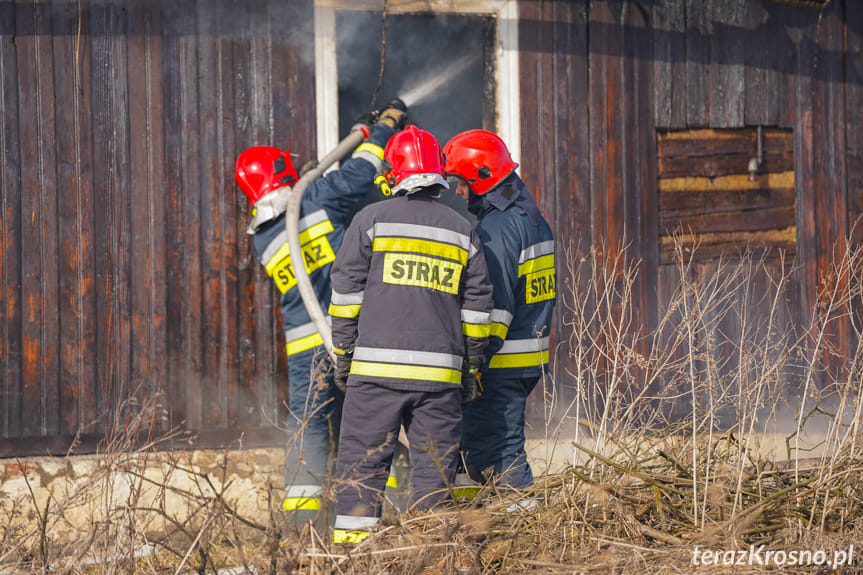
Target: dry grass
<point x="665" y="434"/>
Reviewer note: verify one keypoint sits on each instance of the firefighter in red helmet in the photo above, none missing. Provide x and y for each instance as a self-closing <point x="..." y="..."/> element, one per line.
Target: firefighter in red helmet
<point x="410" y="308"/>
<point x="262" y="172"/>
<point x="519" y="249"/>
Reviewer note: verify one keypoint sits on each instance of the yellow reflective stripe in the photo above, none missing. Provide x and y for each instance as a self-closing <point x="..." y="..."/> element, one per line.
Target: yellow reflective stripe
<point x="302" y="504"/>
<point x="498" y="330"/>
<point x="315" y="231"/>
<point x="399" y="371"/>
<point x="475" y="329"/>
<point x="373" y="149"/>
<point x="392" y="482"/>
<point x="345" y="536"/>
<point x="536" y="264"/>
<point x="304" y="343"/>
<point x="344" y="310"/>
<point x="529" y="359"/>
<point x="426" y="247"/>
<point x="465" y="492"/>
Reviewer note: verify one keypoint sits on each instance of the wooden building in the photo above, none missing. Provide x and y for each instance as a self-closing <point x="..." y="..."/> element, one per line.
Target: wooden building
<point x="125" y="270"/>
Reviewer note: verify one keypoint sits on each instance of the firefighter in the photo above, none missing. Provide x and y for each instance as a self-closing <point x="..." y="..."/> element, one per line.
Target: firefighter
<point x="410" y="316"/>
<point x="519" y="249"/>
<point x="324" y="211"/>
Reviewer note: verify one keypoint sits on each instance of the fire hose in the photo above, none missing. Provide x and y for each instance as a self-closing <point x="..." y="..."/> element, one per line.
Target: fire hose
<point x="292" y="225"/>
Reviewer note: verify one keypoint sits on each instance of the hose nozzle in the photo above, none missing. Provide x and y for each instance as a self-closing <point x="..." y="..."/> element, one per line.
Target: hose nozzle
<point x="398" y="104"/>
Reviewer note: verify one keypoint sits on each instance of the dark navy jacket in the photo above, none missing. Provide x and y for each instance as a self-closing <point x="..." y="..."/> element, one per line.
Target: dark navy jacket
<point x="519" y="252"/>
<point x="324" y="214"/>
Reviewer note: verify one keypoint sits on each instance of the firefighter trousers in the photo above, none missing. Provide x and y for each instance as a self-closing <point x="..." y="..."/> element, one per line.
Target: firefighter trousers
<point x="370" y="426"/>
<point x="493" y="431"/>
<point x="312" y="427"/>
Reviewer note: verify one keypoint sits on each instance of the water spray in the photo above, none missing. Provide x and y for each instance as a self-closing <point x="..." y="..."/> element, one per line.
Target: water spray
<point x="435" y="80"/>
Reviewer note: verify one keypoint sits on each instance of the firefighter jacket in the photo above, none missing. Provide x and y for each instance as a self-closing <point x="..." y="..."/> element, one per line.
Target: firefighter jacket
<point x="324" y="214"/>
<point x="411" y="294"/>
<point x="519" y="250"/>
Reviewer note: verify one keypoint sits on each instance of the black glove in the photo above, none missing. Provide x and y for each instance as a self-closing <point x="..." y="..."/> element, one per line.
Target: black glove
<point x="470" y="367"/>
<point x="394" y="115"/>
<point x="343" y="368"/>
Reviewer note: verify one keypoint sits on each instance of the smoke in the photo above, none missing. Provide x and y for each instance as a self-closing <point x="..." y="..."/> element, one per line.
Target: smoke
<point x="419" y="91"/>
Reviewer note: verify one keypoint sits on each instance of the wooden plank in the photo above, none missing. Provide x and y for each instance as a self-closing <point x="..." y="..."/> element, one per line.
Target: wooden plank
<point x="50" y="247"/>
<point x="190" y="153"/>
<point x="831" y="196"/>
<point x="696" y="143"/>
<point x="733" y="182"/>
<point x="76" y="303"/>
<point x="757" y="82"/>
<point x="685" y="203"/>
<point x="807" y="246"/>
<point x="213" y="383"/>
<point x="727" y="55"/>
<point x="148" y="271"/>
<point x="707" y="246"/>
<point x="251" y="389"/>
<point x="730" y="221"/>
<point x="232" y="33"/>
<point x="31" y="43"/>
<point x="669" y="68"/>
<point x="640" y="153"/>
<point x="570" y="216"/>
<point x="783" y="56"/>
<point x="11" y="226"/>
<point x="104" y="196"/>
<point x="605" y="126"/>
<point x="698" y="71"/>
<point x="113" y="147"/>
<point x="139" y="201"/>
<point x="543" y="184"/>
<point x="176" y="385"/>
<point x="722" y="165"/>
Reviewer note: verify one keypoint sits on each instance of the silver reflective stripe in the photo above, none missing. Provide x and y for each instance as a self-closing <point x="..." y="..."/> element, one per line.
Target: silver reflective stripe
<point x="355" y="298"/>
<point x="304" y="330"/>
<point x="472" y="316"/>
<point x="406" y="356"/>
<point x="536" y="250"/>
<point x="303" y="491"/>
<point x="350" y="522"/>
<point x="524" y="345"/>
<point x="370" y="158"/>
<point x="274" y="245"/>
<point x="305" y="223"/>
<point x="313" y="218"/>
<point x="387" y="230"/>
<point x="501" y="316"/>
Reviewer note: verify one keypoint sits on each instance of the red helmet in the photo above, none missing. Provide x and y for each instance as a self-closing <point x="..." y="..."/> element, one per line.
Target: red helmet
<point x="479" y="157"/>
<point x="262" y="169"/>
<point x="413" y="160"/>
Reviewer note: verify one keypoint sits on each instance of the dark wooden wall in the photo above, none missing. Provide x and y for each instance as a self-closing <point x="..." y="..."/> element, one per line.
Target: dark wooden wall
<point x="601" y="78"/>
<point x="125" y="272"/>
<point x="124" y="268"/>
